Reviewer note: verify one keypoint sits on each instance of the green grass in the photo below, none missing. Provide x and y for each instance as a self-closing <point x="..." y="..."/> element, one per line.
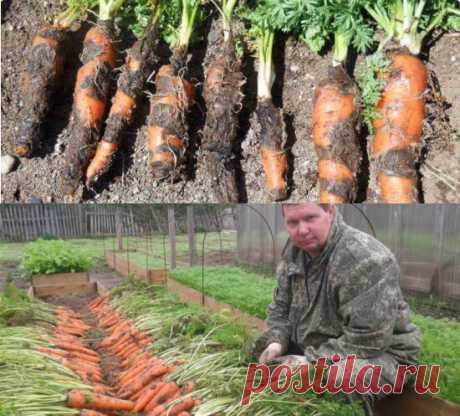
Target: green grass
<point x="250" y="293"/>
<point x="440" y="343"/>
<point x="143" y="260"/>
<point x="11" y="252"/>
<point x="227" y="283"/>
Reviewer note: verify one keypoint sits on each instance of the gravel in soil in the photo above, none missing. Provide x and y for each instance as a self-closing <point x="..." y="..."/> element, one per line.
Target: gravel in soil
<point x="298" y="71"/>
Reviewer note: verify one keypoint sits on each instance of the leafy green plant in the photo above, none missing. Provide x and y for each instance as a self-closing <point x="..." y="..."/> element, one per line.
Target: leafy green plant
<point x="17" y="309"/>
<point x="410" y="21"/>
<point x="372" y="85"/>
<point x="53" y="256"/>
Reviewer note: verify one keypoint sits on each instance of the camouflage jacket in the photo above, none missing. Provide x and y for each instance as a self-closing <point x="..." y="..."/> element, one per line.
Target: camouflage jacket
<point x="347" y="300"/>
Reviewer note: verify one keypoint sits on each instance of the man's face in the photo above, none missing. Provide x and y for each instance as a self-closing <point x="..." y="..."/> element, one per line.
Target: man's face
<point x="308" y="226"/>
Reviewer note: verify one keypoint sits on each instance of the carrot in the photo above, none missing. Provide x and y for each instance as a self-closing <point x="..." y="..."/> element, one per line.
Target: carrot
<point x="91" y="413"/>
<point x="44" y="69"/>
<point x="110" y="320"/>
<point x="188" y="387"/>
<point x="67" y="311"/>
<point x="133" y="371"/>
<point x="90" y="102"/>
<point x="223" y="97"/>
<point x="166" y="124"/>
<point x="101" y="389"/>
<point x="140" y="61"/>
<point x="72" y="323"/>
<point x="183" y="406"/>
<point x="166" y="130"/>
<point x="395" y="146"/>
<point x="74" y="355"/>
<point x="145" y="378"/>
<point x="336" y="115"/>
<point x="148" y="394"/>
<point x="127" y="352"/>
<point x="140" y="356"/>
<point x="69" y="330"/>
<point x="97" y="303"/>
<point x="272" y="139"/>
<point x="164" y="393"/>
<point x="89" y="373"/>
<point x="78" y="399"/>
<point x="65" y="337"/>
<point x="115" y="337"/>
<point x="72" y="347"/>
<point x="161" y="409"/>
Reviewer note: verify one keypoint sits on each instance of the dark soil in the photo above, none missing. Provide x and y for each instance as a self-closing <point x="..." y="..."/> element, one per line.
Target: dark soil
<point x="298" y="71"/>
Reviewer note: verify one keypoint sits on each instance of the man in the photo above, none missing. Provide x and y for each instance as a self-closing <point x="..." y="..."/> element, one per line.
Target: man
<point x="338" y="293"/>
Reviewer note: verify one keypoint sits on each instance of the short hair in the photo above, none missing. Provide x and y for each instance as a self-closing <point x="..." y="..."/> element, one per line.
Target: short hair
<point x="324" y="207"/>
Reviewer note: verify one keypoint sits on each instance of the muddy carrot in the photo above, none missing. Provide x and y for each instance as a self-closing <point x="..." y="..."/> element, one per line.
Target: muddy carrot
<point x="174" y="96"/>
<point x="335" y="135"/>
<point x="336" y="118"/>
<point x="270" y="130"/>
<point x="223" y="97"/>
<point x="45" y="65"/>
<point x="141" y="59"/>
<point x="397" y="141"/>
<point x="399" y="112"/>
<point x="90" y="96"/>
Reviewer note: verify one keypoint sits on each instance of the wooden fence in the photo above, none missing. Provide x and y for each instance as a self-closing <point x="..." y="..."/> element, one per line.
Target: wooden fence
<point x="31" y="221"/>
<point x="24" y="222"/>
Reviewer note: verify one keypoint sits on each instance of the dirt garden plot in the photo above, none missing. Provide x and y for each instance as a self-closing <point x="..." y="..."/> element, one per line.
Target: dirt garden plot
<point x="298" y="70"/>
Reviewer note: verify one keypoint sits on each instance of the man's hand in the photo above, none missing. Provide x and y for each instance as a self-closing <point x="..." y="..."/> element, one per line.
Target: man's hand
<point x="291" y="360"/>
<point x="273" y="351"/>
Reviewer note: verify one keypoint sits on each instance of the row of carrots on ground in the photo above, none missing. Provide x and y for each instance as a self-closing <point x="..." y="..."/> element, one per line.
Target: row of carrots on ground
<point x="394" y="150"/>
<point x="141" y="385"/>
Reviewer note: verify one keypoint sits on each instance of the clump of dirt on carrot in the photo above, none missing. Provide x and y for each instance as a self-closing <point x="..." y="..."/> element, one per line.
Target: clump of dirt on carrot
<point x="140" y="61"/>
<point x="223" y="97"/>
<point x="167" y="125"/>
<point x="44" y="69"/>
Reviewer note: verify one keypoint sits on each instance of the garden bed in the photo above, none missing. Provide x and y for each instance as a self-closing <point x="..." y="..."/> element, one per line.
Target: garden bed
<point x="62" y="284"/>
<point x="117" y="260"/>
<point x="189" y="295"/>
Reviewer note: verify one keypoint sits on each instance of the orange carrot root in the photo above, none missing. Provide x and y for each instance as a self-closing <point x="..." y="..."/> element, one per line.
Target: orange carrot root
<point x="90" y="103"/>
<point x="80" y="400"/>
<point x="166" y="124"/>
<point x="335" y="119"/>
<point x="395" y="147"/>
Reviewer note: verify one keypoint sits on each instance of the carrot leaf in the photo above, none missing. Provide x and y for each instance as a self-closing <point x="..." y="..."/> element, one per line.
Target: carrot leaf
<point x="372" y="85"/>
